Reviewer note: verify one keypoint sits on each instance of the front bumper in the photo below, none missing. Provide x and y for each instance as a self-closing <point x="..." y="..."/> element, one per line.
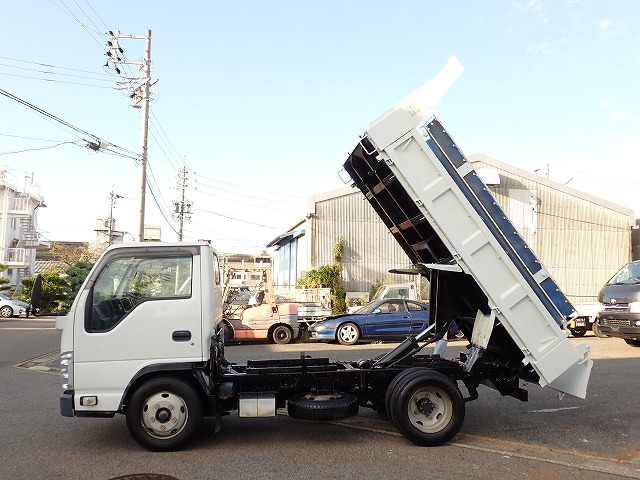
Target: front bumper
<point x="322" y="336"/>
<point x="66" y="403"/>
<point x="620" y="325"/>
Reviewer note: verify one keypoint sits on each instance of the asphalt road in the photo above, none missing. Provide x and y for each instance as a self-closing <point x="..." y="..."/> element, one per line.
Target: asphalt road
<point x="502" y="438"/>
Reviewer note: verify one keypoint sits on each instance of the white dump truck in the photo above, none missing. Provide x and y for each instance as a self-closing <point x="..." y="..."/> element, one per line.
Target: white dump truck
<point x="143" y="336"/>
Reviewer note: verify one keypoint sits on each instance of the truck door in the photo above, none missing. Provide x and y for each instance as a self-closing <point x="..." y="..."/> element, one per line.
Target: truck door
<point x="142" y="308"/>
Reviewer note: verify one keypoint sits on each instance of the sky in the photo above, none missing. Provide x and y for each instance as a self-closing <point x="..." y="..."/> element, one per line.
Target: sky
<point x="261" y="102"/>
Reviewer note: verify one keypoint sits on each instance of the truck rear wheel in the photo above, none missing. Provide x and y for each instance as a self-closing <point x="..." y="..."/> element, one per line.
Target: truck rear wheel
<point x="322" y="407"/>
<point x="427" y="408"/>
<point x="163" y="414"/>
<point x="282" y="335"/>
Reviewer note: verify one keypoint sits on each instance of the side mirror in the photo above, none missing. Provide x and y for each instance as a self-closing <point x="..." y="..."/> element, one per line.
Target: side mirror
<point x="377" y="311"/>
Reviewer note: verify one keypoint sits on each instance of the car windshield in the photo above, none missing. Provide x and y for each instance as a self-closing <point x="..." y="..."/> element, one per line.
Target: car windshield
<point x="627" y="275"/>
<point x="5" y="297"/>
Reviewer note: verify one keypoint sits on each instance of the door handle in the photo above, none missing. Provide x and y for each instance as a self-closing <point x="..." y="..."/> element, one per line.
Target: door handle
<point x="181" y="336"/>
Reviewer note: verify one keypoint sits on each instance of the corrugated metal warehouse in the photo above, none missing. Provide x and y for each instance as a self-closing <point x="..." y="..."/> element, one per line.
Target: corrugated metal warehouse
<point x="580" y="238"/>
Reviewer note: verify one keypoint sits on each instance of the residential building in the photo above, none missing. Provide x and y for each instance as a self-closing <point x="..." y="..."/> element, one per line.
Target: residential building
<point x="19" y="235"/>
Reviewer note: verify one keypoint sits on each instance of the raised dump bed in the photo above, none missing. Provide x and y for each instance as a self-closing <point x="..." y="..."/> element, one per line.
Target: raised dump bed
<point x="452" y="229"/>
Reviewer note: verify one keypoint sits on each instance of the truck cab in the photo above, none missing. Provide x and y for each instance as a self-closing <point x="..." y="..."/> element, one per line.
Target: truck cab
<point x="140" y="310"/>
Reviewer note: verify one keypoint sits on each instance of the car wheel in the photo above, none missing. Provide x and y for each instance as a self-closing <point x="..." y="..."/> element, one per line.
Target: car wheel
<point x="282" y="334"/>
<point x="6" y="311"/>
<point x="322" y="407"/>
<point x="348" y="334"/>
<point x="597" y="331"/>
<point x="427" y="408"/>
<point x="578" y="333"/>
<point x="163" y="414"/>
<point x="633" y="342"/>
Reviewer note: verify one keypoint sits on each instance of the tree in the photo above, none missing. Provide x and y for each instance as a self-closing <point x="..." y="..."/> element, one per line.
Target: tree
<point x="71" y="253"/>
<point x="75" y="275"/>
<point x="4" y="282"/>
<point x="55" y="292"/>
<point x="326" y="276"/>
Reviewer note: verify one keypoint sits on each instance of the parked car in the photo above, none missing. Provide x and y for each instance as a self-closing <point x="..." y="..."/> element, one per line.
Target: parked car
<point x="10" y="307"/>
<point x="620" y="299"/>
<point x="386" y="319"/>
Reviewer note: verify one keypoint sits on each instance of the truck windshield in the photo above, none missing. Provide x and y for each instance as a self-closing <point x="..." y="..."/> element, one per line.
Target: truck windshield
<point x="627" y="275"/>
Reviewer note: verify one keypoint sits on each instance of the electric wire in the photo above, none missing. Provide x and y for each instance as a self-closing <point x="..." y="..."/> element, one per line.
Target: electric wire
<point x="244" y="195"/>
<point x="37" y="148"/>
<point x="47" y="65"/>
<point x="236" y="219"/>
<point x="51" y="80"/>
<point x="50" y="116"/>
<point x="248" y="188"/>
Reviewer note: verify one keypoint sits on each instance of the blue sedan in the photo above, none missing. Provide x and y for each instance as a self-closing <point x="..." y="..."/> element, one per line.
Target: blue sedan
<point x="388" y="319"/>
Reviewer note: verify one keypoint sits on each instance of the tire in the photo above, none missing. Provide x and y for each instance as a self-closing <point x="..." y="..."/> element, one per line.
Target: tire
<point x="578" y="333"/>
<point x="161" y="402"/>
<point x="633" y="342"/>
<point x="282" y="335"/>
<point x="319" y="407"/>
<point x="392" y="386"/>
<point x="596" y="330"/>
<point x="348" y="334"/>
<point x="6" y="312"/>
<point x="427" y="408"/>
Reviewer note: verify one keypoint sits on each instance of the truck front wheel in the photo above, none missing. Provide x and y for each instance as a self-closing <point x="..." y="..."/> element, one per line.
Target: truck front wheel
<point x="427" y="408"/>
<point x="163" y="414"/>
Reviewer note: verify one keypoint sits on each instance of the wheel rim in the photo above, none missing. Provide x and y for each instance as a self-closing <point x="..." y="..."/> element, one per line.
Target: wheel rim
<point x="164" y="415"/>
<point x="6" y="312"/>
<point x="281" y="334"/>
<point x="430" y="409"/>
<point x="349" y="333"/>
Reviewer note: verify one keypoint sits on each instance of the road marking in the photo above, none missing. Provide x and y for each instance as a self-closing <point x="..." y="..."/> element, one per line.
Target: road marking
<point x="551" y="410"/>
<point x="27" y="328"/>
<point x="577" y="460"/>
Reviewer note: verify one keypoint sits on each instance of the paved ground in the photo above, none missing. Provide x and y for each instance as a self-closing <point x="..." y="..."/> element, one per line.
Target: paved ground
<point x="547" y="437"/>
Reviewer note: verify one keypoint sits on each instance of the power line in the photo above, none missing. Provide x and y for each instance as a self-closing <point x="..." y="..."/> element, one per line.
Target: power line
<point x="236" y="219"/>
<point x="47" y="65"/>
<point x="38" y="148"/>
<point x="56" y="73"/>
<point x="50" y="116"/>
<point x="51" y="80"/>
<point x="246" y="195"/>
<point x="248" y="188"/>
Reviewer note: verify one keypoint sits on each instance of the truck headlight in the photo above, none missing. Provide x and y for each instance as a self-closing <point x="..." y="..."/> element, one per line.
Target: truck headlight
<point x="634" y="307"/>
<point x="66" y="370"/>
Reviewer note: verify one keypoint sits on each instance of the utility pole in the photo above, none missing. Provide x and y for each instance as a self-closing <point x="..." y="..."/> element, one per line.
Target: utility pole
<point x="113" y="197"/>
<point x="182" y="207"/>
<point x="140" y="95"/>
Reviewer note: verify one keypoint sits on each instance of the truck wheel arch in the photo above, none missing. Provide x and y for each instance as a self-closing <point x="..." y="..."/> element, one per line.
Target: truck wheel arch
<point x="181" y="371"/>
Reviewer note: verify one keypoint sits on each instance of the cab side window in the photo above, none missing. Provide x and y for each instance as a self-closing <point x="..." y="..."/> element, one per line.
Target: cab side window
<point x="130" y="280"/>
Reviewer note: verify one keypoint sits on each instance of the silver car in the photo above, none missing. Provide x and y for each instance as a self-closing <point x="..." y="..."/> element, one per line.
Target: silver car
<point x="10" y="307"/>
